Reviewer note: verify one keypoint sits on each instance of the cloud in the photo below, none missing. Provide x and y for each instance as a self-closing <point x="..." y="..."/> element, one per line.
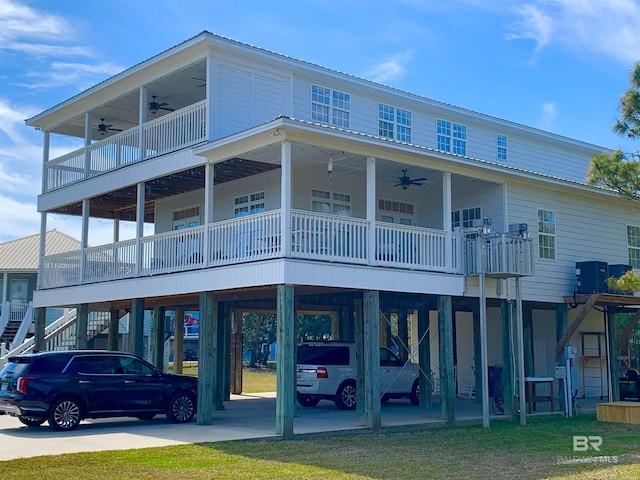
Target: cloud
<point x="390" y="69"/>
<point x="18" y="21"/>
<point x="548" y="113"/>
<point x="45" y="50"/>
<point x="19" y="218"/>
<point x="12" y="120"/>
<point x="608" y="28"/>
<point x="70" y="73"/>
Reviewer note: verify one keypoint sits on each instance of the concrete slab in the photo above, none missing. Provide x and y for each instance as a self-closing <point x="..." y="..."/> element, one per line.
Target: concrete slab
<point x="248" y="416"/>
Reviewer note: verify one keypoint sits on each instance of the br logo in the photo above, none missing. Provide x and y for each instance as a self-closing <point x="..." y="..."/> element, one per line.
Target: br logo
<point x="582" y="443"/>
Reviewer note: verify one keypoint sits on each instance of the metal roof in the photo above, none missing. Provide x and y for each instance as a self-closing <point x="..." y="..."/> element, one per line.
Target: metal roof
<point x="23" y="253"/>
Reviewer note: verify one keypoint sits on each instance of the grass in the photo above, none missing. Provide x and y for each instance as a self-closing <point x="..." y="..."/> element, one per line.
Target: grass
<point x="507" y="450"/>
<point x="254" y="380"/>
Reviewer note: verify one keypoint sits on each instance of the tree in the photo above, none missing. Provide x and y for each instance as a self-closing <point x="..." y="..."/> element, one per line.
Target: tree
<point x="618" y="170"/>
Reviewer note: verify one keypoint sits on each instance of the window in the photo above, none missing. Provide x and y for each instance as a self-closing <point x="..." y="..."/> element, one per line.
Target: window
<point x="547" y="234"/>
<point x="501" y="143"/>
<point x="394" y="123"/>
<point x="465" y="218"/>
<point x="327" y="104"/>
<point x="331" y="202"/>
<point x="451" y="137"/>
<point x="400" y="212"/>
<point x="633" y="241"/>
<point x="189" y="217"/>
<point x="248" y="204"/>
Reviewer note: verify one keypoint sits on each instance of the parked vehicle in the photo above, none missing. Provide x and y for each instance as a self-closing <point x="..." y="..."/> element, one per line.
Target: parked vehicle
<point x="326" y="370"/>
<point x="66" y="387"/>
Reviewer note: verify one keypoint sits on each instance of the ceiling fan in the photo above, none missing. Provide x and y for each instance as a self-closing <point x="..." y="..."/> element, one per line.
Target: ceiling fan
<point x="404" y="181"/>
<point x="106" y="127"/>
<point x="154" y="106"/>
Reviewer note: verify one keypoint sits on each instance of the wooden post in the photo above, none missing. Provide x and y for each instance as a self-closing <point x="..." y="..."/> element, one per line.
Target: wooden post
<point x="424" y="357"/>
<point x="236" y="347"/>
<point x="220" y="364"/>
<point x="226" y="369"/>
<point x="527" y="336"/>
<point x="445" y="330"/>
<point x="562" y="321"/>
<point x="614" y="366"/>
<point x="345" y="323"/>
<point x="477" y="361"/>
<point x="285" y="362"/>
<point x="508" y="357"/>
<point x="178" y="341"/>
<point x="40" y="321"/>
<point x="158" y="337"/>
<point x="371" y="344"/>
<point x="358" y="329"/>
<point x="136" y="326"/>
<point x="82" y="325"/>
<point x="206" y="359"/>
<point x="403" y="335"/>
<point x="114" y="329"/>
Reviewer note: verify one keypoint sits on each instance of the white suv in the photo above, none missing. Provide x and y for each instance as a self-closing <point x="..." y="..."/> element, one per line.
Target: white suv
<point x="326" y="370"/>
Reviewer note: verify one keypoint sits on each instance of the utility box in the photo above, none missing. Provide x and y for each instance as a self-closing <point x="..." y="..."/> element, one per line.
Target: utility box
<point x="592" y="277"/>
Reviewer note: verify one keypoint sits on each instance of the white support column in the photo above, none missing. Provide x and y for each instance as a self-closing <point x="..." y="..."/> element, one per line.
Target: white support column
<point x="84" y="238"/>
<point x="42" y="250"/>
<point x="142" y="118"/>
<point x="116" y="228"/>
<point x="484" y="374"/>
<point x="285" y="197"/>
<point x="371" y="209"/>
<point x="210" y="97"/>
<point x="87" y="144"/>
<point x="139" y="226"/>
<point x="520" y="340"/>
<point x="446" y="220"/>
<point x="45" y="158"/>
<point x="5" y="286"/>
<point x="209" y="180"/>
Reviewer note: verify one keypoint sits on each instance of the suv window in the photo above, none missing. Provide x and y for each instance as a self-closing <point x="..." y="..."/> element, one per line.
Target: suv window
<point x="133" y="365"/>
<point x="389" y="359"/>
<point x="96" y="365"/>
<point x="323" y="355"/>
<point x="16" y="366"/>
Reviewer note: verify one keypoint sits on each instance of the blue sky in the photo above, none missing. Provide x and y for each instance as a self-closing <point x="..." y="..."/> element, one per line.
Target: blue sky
<point x="558" y="65"/>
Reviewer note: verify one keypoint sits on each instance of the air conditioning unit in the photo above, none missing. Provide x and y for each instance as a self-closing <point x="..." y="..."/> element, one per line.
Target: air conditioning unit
<point x="592" y="277"/>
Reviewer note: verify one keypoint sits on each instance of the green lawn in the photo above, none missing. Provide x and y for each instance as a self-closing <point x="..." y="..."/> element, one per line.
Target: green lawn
<point x="507" y="450"/>
<point x="254" y="380"/>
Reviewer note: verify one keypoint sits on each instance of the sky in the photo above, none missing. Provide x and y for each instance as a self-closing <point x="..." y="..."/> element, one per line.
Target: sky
<point x="557" y="65"/>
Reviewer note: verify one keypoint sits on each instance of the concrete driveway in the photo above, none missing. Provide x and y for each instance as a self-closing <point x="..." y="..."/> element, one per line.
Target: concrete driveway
<point x="249" y="416"/>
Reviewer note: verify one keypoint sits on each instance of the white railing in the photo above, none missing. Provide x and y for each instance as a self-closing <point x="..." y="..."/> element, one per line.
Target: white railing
<point x="500" y="255"/>
<point x="414" y="247"/>
<point x="314" y="236"/>
<point x="254" y="237"/>
<point x="328" y="237"/>
<point x="180" y="129"/>
<point x="25" y="325"/>
<point x="173" y="251"/>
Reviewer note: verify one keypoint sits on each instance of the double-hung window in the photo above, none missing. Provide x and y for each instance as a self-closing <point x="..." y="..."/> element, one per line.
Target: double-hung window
<point x="337" y="203"/>
<point x="330" y="106"/>
<point x="451" y="137"/>
<point x="394" y="123"/>
<point x="633" y="243"/>
<point x="248" y="204"/>
<point x="501" y="145"/>
<point x="547" y="234"/>
<point x="465" y="218"/>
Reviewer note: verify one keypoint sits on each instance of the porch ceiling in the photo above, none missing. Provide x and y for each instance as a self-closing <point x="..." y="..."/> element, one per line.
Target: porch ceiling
<point x="122" y="203"/>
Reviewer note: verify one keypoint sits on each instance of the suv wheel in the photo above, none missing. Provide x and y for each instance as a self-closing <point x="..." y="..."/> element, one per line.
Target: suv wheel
<point x="414" y="396"/>
<point x="346" y="396"/>
<point x="182" y="408"/>
<point x="65" y="414"/>
<point x="307" y="400"/>
<point x="32" y="421"/>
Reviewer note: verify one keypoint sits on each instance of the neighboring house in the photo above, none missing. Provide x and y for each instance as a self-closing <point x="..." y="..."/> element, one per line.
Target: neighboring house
<point x="19" y="271"/>
<point x="275" y="184"/>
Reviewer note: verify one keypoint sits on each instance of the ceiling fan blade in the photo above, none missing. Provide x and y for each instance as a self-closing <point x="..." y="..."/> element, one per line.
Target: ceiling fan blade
<point x="416" y="183"/>
<point x="167" y="109"/>
<point x="423" y="179"/>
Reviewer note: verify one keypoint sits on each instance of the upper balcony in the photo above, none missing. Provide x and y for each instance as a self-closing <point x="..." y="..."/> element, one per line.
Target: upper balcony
<point x="174" y="131"/>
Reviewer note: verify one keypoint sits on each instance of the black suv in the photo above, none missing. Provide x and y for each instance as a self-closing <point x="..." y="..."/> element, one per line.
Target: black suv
<point x="66" y="387"/>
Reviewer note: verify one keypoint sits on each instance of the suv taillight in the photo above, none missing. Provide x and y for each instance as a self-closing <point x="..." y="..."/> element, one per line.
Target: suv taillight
<point x="22" y="384"/>
<point x="321" y="372"/>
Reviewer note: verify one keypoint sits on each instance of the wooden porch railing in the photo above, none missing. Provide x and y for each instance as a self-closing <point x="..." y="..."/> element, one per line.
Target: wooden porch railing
<point x="174" y="131"/>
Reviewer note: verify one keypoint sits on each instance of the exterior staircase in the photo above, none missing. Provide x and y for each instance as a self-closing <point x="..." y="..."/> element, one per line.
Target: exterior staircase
<point x="60" y="335"/>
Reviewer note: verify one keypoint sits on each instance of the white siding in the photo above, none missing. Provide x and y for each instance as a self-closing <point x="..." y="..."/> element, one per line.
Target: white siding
<point x="585" y="230"/>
